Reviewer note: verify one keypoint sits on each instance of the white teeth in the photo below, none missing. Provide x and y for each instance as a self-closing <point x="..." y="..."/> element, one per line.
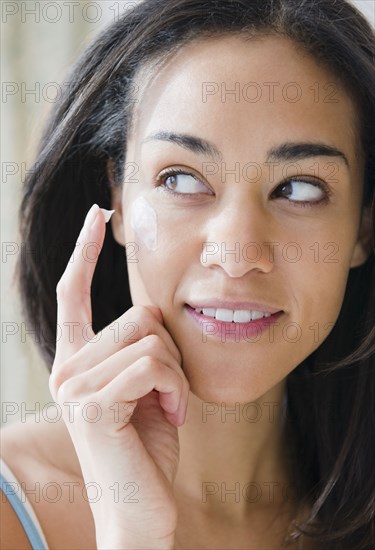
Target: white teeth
<point x="224" y="315"/>
<point x="210" y="312"/>
<point x="242" y="316"/>
<point x="229" y="315"/>
<point x="256" y="315"/>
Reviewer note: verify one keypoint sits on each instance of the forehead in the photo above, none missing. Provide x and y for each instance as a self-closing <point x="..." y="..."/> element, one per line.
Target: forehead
<point x="243" y="93"/>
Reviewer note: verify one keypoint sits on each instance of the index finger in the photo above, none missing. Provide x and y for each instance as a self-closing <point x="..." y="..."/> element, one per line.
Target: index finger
<point x="73" y="291"/>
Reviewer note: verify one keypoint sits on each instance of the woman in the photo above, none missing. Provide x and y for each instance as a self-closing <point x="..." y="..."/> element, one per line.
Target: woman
<point x="227" y="399"/>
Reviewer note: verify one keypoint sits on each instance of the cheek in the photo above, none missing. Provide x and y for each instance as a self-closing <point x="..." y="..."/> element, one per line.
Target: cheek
<point x="317" y="290"/>
<point x="315" y="286"/>
<point x="143" y="221"/>
<point x="156" y="265"/>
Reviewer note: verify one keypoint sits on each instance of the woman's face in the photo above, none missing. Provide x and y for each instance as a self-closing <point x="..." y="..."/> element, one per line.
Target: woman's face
<point x="263" y="218"/>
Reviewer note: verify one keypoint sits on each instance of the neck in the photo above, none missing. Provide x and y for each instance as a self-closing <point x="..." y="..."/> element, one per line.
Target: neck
<point x="233" y="457"/>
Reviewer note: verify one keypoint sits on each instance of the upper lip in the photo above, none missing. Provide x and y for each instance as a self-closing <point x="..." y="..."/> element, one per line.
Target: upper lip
<point x="232" y="304"/>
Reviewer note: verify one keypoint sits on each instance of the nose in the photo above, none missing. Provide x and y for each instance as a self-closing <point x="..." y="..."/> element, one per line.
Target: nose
<point x="238" y="238"/>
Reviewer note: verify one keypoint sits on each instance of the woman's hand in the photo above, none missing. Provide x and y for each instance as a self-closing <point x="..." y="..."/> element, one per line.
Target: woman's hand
<point x="122" y="393"/>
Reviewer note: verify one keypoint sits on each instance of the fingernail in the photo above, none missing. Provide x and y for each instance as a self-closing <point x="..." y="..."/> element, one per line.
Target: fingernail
<point x="107" y="214"/>
<point x="91" y="215"/>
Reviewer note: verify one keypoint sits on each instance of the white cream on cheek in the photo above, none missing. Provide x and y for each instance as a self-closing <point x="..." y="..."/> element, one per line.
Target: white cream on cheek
<point x="143" y="221"/>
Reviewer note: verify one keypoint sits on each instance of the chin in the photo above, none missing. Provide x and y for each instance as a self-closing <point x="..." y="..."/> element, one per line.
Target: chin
<point x="227" y="387"/>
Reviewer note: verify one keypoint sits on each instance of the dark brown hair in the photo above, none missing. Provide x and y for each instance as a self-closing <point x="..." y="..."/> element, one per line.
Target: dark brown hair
<point x="330" y="411"/>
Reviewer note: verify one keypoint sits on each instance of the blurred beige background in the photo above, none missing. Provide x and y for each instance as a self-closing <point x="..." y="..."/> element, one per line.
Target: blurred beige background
<point x="39" y="40"/>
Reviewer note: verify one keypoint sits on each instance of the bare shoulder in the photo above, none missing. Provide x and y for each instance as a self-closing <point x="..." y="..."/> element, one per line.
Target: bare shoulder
<point x="16" y="438"/>
<point x="42" y="459"/>
<point x="14" y="444"/>
<point x="12" y="534"/>
<point x="38" y="448"/>
<point x="23" y="451"/>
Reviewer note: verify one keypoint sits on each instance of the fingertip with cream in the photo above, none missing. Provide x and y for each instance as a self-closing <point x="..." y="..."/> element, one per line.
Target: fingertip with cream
<point x="107" y="214"/>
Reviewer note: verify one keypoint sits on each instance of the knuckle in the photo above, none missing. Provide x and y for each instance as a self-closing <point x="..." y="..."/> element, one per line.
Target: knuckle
<point x="153" y="343"/>
<point x="149" y="365"/>
<point x="53" y="383"/>
<point x="69" y="389"/>
<point x="56" y="378"/>
<point x="59" y="373"/>
<point x="62" y="289"/>
<point x="142" y="316"/>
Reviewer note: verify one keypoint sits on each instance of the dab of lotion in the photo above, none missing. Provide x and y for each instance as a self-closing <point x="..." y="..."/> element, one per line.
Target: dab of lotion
<point x="143" y="222"/>
<point x="107" y="214"/>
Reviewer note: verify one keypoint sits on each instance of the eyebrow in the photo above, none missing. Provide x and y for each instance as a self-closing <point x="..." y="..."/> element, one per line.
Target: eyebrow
<point x="192" y="143"/>
<point x="284" y="152"/>
<point x="298" y="151"/>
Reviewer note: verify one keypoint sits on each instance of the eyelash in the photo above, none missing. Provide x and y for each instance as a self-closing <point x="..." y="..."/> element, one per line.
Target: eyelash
<point x="172" y="172"/>
<point x="304" y="204"/>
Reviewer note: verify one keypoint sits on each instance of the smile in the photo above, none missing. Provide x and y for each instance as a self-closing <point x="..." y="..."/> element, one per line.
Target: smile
<point x="232" y="324"/>
<point x="233" y="315"/>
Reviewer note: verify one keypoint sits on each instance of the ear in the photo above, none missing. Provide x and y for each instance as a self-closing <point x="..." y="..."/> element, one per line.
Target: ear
<point x="117" y="222"/>
<point x="363" y="246"/>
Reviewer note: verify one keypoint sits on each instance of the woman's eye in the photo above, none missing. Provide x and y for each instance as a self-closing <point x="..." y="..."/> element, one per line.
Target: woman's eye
<point x="301" y="191"/>
<point x="182" y="183"/>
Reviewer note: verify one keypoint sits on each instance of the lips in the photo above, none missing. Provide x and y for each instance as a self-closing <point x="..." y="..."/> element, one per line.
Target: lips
<point x="232" y="330"/>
